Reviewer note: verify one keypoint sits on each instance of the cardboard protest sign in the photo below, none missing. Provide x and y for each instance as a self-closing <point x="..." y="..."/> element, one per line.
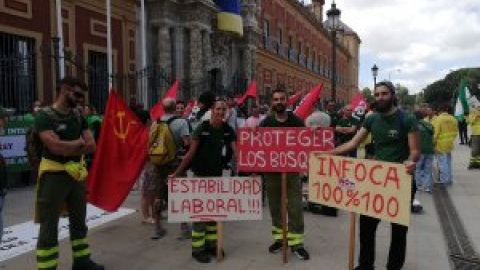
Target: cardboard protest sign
<point x="280" y="149"/>
<point x="214" y="199"/>
<point x="368" y="187"/>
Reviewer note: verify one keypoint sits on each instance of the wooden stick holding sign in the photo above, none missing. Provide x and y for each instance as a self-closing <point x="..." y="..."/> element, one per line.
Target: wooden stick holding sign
<point x="284" y="217"/>
<point x="351" y="249"/>
<point x="363" y="186"/>
<point x="220" y="241"/>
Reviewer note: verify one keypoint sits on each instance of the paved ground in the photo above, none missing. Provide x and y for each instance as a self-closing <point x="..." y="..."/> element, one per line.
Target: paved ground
<point x="125" y="244"/>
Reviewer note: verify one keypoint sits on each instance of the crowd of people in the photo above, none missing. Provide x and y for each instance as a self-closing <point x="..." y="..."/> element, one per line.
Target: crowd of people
<point x="205" y="143"/>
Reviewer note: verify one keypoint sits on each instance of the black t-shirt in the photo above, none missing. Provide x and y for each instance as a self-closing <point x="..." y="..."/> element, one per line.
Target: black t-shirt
<point x="292" y="121"/>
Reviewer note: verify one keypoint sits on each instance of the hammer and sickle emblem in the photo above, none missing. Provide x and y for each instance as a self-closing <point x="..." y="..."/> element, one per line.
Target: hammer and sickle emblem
<point x="122" y="131"/>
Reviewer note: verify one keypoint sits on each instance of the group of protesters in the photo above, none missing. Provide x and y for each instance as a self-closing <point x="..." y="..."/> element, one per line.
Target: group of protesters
<point x="205" y="143"/>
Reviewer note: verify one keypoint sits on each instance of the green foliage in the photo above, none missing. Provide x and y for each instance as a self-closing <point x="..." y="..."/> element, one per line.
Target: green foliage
<point x="405" y="100"/>
<point x="444" y="90"/>
<point x="368" y="95"/>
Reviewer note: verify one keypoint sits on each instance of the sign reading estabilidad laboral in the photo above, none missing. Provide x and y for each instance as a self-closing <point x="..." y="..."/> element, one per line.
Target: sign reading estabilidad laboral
<point x="214" y="199"/>
<point x="368" y="187"/>
<point x="280" y="149"/>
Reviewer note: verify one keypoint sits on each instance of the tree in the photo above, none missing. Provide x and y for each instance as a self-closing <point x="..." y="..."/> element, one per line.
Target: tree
<point x="367" y="94"/>
<point x="405" y="100"/>
<point x="445" y="90"/>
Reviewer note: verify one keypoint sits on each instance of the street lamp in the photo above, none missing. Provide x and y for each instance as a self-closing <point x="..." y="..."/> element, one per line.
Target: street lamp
<point x="333" y="23"/>
<point x="374" y="74"/>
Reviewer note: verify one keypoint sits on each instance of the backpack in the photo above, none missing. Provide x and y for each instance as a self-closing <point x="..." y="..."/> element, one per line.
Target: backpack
<point x="34" y="145"/>
<point x="162" y="147"/>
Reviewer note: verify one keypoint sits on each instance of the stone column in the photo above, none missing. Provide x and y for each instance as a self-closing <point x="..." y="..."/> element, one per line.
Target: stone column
<point x="164" y="56"/>
<point x="196" y="61"/>
<point x="179" y="56"/>
<point x="207" y="50"/>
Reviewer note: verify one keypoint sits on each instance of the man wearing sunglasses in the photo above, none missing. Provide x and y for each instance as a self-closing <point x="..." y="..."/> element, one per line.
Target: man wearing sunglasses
<point x="61" y="178"/>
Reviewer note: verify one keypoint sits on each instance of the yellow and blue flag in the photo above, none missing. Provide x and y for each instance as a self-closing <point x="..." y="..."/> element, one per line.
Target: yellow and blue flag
<point x="229" y="18"/>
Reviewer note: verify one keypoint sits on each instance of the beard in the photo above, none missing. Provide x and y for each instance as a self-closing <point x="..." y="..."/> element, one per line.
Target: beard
<point x="71" y="102"/>
<point x="384" y="106"/>
<point x="279" y="108"/>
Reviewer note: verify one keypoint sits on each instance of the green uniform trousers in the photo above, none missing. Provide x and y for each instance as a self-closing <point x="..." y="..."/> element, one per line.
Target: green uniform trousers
<point x="55" y="190"/>
<point x="204" y="235"/>
<point x="294" y="207"/>
<point x="475" y="158"/>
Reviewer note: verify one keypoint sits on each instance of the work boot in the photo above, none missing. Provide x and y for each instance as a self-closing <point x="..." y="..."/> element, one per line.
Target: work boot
<point x="301" y="253"/>
<point x="275" y="247"/>
<point x="87" y="265"/>
<point x="159" y="233"/>
<point x="201" y="256"/>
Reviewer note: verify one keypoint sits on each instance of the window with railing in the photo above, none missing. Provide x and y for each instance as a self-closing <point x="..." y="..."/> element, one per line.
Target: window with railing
<point x="97" y="79"/>
<point x="17" y="72"/>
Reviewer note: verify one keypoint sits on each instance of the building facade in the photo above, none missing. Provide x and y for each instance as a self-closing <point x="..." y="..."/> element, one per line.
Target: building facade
<point x="27" y="49"/>
<point x="185" y="44"/>
<point x="295" y="51"/>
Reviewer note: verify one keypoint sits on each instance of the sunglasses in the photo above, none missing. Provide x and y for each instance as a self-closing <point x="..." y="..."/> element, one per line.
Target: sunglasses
<point x="78" y="94"/>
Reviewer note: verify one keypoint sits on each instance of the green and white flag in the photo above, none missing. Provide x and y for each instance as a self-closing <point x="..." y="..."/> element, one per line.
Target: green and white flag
<point x="461" y="107"/>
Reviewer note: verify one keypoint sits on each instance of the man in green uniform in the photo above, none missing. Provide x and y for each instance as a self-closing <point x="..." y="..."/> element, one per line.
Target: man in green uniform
<point x="345" y="128"/>
<point x="396" y="139"/>
<point x="281" y="118"/>
<point x="61" y="178"/>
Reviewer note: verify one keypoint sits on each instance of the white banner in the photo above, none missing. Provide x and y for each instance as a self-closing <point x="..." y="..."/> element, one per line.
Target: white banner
<point x="12" y="146"/>
<point x="22" y="238"/>
<point x="214" y="199"/>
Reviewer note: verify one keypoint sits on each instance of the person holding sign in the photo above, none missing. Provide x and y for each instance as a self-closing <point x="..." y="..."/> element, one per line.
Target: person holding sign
<point x="281" y="118"/>
<point x="396" y="139"/>
<point x="206" y="146"/>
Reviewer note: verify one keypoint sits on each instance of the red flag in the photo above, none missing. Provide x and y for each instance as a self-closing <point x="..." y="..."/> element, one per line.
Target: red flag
<point x="157" y="111"/>
<point x="120" y="156"/>
<point x="188" y="110"/>
<point x="308" y="102"/>
<point x="359" y="105"/>
<point x="251" y="92"/>
<point x="293" y="99"/>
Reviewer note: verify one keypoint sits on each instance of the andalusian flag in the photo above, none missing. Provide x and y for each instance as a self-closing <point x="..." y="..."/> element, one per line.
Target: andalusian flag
<point x="461" y="107"/>
<point x="229" y="18"/>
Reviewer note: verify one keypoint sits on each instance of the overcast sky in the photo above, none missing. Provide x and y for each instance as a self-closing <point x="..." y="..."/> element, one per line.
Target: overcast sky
<point x="415" y="42"/>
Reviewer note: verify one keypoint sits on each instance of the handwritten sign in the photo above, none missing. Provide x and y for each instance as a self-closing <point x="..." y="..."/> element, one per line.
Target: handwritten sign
<point x="214" y="199"/>
<point x="368" y="187"/>
<point x="280" y="149"/>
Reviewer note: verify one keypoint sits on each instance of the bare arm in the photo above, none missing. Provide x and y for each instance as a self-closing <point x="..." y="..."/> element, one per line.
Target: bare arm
<point x="187" y="159"/>
<point x="350" y="145"/>
<point x="59" y="147"/>
<point x="414" y="146"/>
<point x="89" y="142"/>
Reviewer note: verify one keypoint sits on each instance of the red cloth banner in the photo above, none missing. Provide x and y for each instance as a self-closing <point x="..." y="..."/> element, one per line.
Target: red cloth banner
<point x="308" y="102"/>
<point x="359" y="105"/>
<point x="250" y="93"/>
<point x="120" y="156"/>
<point x="157" y="111"/>
<point x="293" y="99"/>
<point x="280" y="149"/>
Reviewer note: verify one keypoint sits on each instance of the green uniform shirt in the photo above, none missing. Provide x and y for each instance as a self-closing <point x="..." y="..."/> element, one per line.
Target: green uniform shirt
<point x="208" y="158"/>
<point x="333" y="118"/>
<point x="426" y="136"/>
<point x="68" y="127"/>
<point x="29" y="117"/>
<point x="390" y="135"/>
<point x="349" y="122"/>
<point x="292" y="121"/>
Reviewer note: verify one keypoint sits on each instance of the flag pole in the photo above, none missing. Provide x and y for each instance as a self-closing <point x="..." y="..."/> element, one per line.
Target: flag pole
<point x="60" y="38"/>
<point x="143" y="93"/>
<point x="284" y="217"/>
<point x="109" y="45"/>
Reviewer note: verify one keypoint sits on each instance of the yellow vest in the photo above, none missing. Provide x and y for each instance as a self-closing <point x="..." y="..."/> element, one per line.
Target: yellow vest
<point x="474" y="121"/>
<point x="445" y="133"/>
